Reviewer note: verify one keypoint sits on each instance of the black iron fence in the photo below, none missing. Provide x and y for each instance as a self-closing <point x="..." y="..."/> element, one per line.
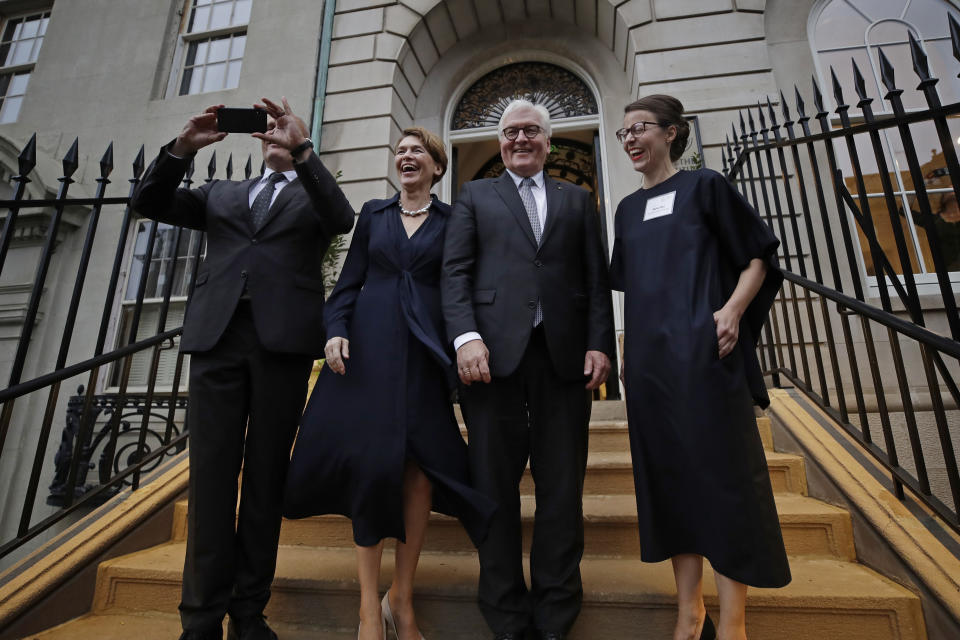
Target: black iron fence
<point x="871" y="247"/>
<point x="119" y="429"/>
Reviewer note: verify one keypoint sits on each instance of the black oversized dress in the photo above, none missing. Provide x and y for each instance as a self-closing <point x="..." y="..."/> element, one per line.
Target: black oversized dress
<point x="699" y="467"/>
<point x="393" y="403"/>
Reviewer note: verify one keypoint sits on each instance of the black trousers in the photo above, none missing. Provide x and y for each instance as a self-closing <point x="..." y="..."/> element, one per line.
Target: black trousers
<point x="245" y="404"/>
<point x="531" y="414"/>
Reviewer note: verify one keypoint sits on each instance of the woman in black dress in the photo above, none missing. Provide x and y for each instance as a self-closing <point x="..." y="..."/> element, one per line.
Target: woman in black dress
<point x="379" y="442"/>
<point x="697" y="266"/>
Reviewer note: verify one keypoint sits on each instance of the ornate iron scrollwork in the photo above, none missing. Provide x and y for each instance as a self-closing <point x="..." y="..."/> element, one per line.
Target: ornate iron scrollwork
<point x="117" y="452"/>
<point x="560" y="91"/>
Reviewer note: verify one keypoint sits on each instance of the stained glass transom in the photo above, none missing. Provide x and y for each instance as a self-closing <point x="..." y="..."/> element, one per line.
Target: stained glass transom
<point x="560" y="91"/>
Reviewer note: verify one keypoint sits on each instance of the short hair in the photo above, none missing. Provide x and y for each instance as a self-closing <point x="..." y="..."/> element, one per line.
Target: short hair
<point x="668" y="111"/>
<point x="521" y="103"/>
<point x="432" y="143"/>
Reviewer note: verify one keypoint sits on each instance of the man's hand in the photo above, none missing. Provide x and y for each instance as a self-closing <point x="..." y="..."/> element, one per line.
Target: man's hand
<point x="289" y="130"/>
<point x="473" y="362"/>
<point x="728" y="329"/>
<point x="336" y="351"/>
<point x="199" y="131"/>
<point x="596" y="364"/>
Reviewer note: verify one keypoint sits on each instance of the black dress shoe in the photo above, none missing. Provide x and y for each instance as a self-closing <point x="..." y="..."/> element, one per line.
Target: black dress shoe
<point x="213" y="633"/>
<point x="708" y="631"/>
<point x="510" y="635"/>
<point x="252" y="628"/>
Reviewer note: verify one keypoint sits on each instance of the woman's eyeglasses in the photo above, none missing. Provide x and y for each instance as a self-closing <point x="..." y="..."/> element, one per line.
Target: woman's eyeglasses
<point x="637" y="129"/>
<point x="531" y="132"/>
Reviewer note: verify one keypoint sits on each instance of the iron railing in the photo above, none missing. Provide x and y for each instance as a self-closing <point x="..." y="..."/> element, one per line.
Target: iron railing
<point x="133" y="429"/>
<point x="798" y="180"/>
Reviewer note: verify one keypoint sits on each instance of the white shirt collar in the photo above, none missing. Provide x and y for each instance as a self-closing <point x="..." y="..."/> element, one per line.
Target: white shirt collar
<point x="537" y="178"/>
<point x="291" y="175"/>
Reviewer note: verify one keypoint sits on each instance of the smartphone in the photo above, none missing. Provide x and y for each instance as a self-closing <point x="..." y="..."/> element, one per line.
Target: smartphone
<point x="239" y="120"/>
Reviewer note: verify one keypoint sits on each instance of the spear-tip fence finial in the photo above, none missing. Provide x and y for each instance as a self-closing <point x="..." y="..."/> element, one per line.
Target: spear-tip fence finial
<point x="71" y="159"/>
<point x="27" y="159"/>
<point x="138" y="164"/>
<point x="106" y="162"/>
<point x="920" y="65"/>
<point x="887" y="75"/>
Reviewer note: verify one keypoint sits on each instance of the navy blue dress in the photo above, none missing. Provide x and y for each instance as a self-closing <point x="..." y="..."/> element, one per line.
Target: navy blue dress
<point x="393" y="403"/>
<point x="699" y="467"/>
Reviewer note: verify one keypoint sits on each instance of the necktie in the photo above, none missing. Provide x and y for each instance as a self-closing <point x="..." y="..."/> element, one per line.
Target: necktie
<point x="261" y="204"/>
<point x="526" y="195"/>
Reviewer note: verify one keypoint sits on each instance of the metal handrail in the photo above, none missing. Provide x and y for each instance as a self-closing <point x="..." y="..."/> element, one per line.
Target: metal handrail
<point x="803" y="309"/>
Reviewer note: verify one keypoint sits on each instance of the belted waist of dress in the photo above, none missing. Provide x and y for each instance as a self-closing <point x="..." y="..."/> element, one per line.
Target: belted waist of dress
<point x="419" y="324"/>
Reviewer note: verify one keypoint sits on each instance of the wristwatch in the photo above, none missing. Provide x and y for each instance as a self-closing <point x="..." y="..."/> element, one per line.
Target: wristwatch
<point x="300" y="148"/>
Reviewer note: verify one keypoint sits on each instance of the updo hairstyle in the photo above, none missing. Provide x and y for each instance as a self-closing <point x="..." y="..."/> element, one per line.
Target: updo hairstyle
<point x="668" y="111"/>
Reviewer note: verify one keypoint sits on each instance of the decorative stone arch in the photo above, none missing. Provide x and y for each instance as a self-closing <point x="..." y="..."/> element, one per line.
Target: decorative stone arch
<point x="396" y="64"/>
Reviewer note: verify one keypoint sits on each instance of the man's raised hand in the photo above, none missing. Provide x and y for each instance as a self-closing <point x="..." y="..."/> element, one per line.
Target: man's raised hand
<point x="199" y="131"/>
<point x="289" y="130"/>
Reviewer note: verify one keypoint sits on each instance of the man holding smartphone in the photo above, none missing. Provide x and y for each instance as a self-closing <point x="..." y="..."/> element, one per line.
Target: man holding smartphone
<point x="253" y="326"/>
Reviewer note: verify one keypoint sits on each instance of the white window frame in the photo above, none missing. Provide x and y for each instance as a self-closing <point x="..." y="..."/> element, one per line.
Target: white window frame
<point x="185" y="39"/>
<point x="23" y="68"/>
<point x="926" y="280"/>
<point x="150" y="313"/>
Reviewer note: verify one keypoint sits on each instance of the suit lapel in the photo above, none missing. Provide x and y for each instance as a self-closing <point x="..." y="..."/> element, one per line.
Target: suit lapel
<point x="238" y="199"/>
<point x="507" y="189"/>
<point x="285" y="195"/>
<point x="555" y="197"/>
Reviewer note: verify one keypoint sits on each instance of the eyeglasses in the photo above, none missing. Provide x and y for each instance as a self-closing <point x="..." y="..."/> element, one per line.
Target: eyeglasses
<point x="637" y="129"/>
<point x="531" y="132"/>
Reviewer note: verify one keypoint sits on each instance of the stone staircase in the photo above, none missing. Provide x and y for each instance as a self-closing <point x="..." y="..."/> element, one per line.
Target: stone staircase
<point x="315" y="594"/>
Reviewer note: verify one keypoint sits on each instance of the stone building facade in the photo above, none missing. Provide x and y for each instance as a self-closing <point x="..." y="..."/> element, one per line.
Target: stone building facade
<point x="131" y="72"/>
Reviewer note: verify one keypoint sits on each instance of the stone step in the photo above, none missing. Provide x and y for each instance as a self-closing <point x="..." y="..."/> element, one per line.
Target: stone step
<point x="159" y="626"/>
<point x="611" y="473"/>
<point x="623" y="597"/>
<point x="612" y="435"/>
<point x="810" y="527"/>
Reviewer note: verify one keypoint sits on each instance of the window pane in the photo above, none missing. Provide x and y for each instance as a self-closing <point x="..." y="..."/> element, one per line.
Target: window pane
<point x="30" y="28"/>
<point x="888" y="31"/>
<point x="201" y="3"/>
<point x="236" y="47"/>
<point x="43" y="26"/>
<point x="233" y="75"/>
<point x="196" y="82"/>
<point x="884" y="231"/>
<point x="186" y="81"/>
<point x="21" y="53"/>
<point x="10" y="110"/>
<point x="839" y="25"/>
<point x="18" y="84"/>
<point x="942" y="65"/>
<point x="221" y="15"/>
<point x="241" y="12"/>
<point x="199" y="20"/>
<point x="878" y="9"/>
<point x="930" y="17"/>
<point x="202" y="48"/>
<point x="219" y="49"/>
<point x="214" y="76"/>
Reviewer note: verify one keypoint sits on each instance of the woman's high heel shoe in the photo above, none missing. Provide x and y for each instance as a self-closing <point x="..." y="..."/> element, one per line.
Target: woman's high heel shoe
<point x="388" y="620"/>
<point x="708" y="631"/>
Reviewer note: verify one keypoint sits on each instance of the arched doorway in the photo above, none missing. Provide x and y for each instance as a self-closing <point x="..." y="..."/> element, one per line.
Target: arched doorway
<point x="575" y="154"/>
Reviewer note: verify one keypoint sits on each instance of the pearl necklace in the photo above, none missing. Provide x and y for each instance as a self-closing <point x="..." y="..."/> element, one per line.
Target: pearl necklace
<point x="419" y="212"/>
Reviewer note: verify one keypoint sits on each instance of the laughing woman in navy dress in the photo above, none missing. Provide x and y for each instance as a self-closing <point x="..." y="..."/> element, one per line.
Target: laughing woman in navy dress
<point x="697" y="267"/>
<point x="379" y="442"/>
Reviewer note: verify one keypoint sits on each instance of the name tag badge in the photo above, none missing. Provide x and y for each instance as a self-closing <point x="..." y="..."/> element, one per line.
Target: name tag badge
<point x="659" y="206"/>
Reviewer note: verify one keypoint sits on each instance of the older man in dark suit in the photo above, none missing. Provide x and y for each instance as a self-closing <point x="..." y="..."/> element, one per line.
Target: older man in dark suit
<point x="253" y="326"/>
<point x="528" y="307"/>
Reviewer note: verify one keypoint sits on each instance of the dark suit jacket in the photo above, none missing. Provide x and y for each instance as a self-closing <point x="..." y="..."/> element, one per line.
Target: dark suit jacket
<point x="280" y="263"/>
<point x="494" y="272"/>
